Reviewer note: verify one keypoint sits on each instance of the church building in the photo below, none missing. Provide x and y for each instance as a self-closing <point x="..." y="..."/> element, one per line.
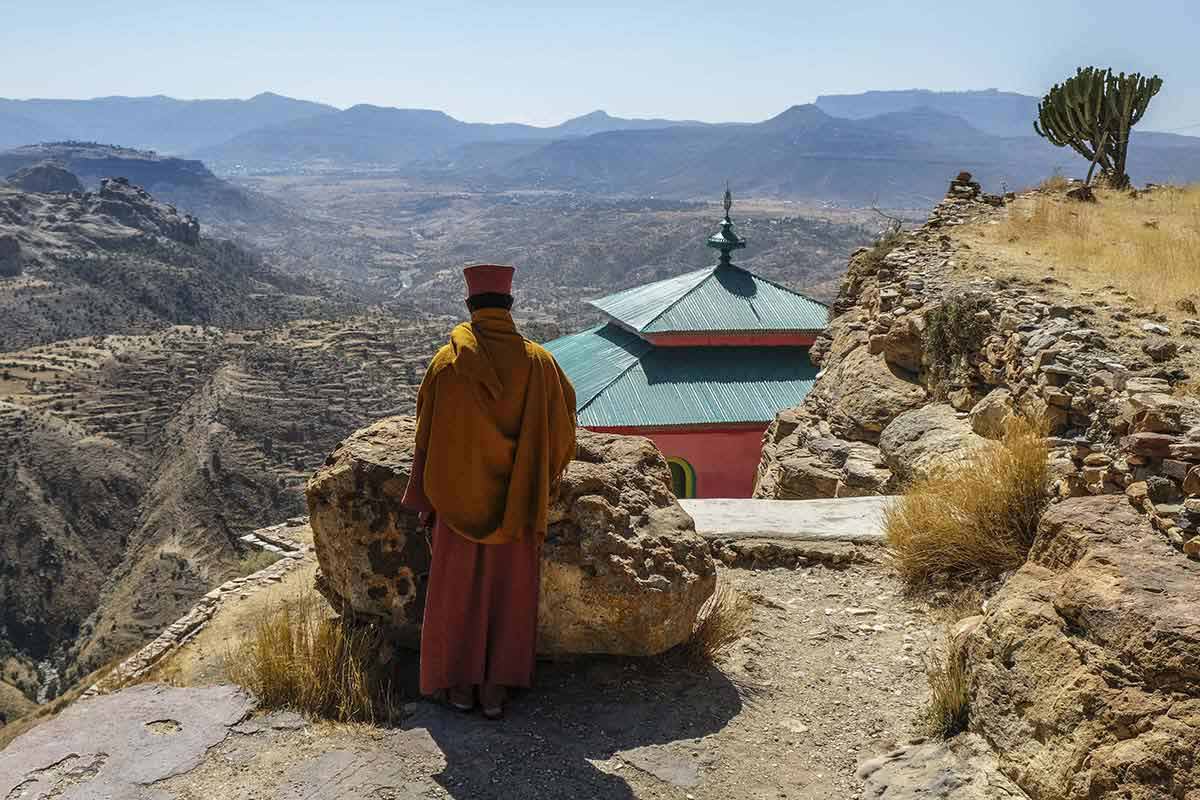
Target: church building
<point x="699" y="363"/>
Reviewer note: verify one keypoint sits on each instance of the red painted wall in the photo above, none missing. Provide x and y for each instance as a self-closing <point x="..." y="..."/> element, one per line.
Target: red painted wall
<point x="725" y="459"/>
<point x="760" y="339"/>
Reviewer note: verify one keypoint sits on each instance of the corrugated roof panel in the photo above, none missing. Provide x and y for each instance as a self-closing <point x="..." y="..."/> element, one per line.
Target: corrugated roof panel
<point x="703" y="385"/>
<point x="638" y="306"/>
<point x="596" y="357"/>
<point x="736" y="300"/>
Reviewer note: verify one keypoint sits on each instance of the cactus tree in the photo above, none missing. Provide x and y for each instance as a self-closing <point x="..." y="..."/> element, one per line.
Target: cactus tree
<point x="1093" y="113"/>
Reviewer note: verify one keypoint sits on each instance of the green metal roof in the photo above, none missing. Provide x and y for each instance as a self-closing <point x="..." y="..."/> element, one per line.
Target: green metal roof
<point x="595" y="358"/>
<point x="622" y="381"/>
<point x="714" y="299"/>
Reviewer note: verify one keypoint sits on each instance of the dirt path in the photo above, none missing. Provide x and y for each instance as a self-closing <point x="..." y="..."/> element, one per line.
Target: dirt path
<point x="830" y="674"/>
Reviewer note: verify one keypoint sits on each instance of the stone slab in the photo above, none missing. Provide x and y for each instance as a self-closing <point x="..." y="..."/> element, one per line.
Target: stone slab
<point x="849" y="519"/>
<point x="115" y="747"/>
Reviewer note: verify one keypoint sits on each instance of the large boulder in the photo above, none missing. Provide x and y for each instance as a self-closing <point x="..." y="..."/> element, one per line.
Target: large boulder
<point x="863" y="393"/>
<point x="802" y="460"/>
<point x="991" y="415"/>
<point x="623" y="569"/>
<point x="1085" y="671"/>
<point x="922" y="440"/>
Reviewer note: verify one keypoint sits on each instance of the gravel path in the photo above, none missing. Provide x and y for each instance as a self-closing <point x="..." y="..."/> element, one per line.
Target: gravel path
<point x="829" y="675"/>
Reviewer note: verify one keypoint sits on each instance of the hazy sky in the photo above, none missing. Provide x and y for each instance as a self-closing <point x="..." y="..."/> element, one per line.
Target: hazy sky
<point x="542" y="63"/>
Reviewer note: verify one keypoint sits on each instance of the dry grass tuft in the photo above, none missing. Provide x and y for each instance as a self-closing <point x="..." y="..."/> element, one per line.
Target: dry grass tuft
<point x="303" y="658"/>
<point x="1147" y="245"/>
<point x="977" y="518"/>
<point x="948" y="711"/>
<point x="253" y="562"/>
<point x="723" y="620"/>
<point x="1055" y="183"/>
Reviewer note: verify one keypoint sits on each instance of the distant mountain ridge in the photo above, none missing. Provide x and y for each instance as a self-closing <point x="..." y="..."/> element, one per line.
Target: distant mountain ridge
<point x="991" y="110"/>
<point x="157" y="123"/>
<point x="896" y="147"/>
<point x="368" y="135"/>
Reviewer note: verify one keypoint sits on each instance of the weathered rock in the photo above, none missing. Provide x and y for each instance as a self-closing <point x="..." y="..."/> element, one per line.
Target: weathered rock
<point x="924" y="439"/>
<point x="1085" y="672"/>
<point x="623" y="569"/>
<point x="961" y="769"/>
<point x="903" y="343"/>
<point x="991" y="414"/>
<point x="862" y="394"/>
<point x="1160" y="348"/>
<point x="800" y="462"/>
<point x="1156" y="445"/>
<point x="119" y="745"/>
<point x="132" y="206"/>
<point x="45" y="179"/>
<point x="374" y="556"/>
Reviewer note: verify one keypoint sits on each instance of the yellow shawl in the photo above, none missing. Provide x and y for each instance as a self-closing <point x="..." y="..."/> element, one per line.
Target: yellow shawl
<point x="496" y="430"/>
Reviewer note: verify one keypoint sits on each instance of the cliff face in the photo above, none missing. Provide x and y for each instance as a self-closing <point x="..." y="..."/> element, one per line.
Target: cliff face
<point x="1084" y="668"/>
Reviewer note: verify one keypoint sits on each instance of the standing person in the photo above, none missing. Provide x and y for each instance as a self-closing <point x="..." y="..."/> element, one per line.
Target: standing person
<point x="495" y="432"/>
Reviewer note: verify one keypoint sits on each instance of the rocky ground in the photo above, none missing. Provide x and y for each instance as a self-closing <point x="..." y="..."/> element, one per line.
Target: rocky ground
<point x="828" y="675"/>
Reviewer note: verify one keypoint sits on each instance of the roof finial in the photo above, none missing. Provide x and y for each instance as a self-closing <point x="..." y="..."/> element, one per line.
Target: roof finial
<point x="725" y="239"/>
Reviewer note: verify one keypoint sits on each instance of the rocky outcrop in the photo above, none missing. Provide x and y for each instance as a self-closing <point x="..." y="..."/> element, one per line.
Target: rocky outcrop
<point x="804" y="460"/>
<point x="861" y="393"/>
<point x="623" y="569"/>
<point x="1085" y="671"/>
<point x="133" y="207"/>
<point x="911" y="329"/>
<point x="45" y="179"/>
<point x="1085" y="667"/>
<point x="920" y="441"/>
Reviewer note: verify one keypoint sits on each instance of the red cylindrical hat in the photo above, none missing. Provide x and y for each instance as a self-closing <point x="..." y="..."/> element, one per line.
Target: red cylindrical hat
<point x="489" y="279"/>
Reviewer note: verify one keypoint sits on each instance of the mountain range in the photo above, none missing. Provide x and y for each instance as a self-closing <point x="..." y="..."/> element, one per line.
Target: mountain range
<point x="895" y="148"/>
<point x="157" y="123"/>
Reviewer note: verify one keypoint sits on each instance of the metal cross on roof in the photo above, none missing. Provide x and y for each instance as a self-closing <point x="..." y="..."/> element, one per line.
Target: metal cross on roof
<point x="725" y="239"/>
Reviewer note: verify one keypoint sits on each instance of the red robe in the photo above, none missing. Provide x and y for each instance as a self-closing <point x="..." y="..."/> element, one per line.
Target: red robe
<point x="496" y="429"/>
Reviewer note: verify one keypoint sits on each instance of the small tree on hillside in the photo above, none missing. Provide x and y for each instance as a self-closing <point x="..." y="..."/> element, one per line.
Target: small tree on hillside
<point x="1093" y="113"/>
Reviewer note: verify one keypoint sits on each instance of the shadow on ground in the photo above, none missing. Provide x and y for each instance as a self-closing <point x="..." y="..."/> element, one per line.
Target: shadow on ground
<point x="560" y="738"/>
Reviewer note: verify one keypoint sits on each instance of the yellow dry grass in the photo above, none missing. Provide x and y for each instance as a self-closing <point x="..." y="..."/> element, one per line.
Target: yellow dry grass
<point x="254" y="561"/>
<point x="723" y="620"/>
<point x="976" y="518"/>
<point x="1055" y="183"/>
<point x="1148" y="246"/>
<point x="948" y="711"/>
<point x="303" y="658"/>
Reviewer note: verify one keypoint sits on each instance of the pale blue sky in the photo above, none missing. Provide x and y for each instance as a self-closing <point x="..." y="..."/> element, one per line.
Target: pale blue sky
<point x="542" y="63"/>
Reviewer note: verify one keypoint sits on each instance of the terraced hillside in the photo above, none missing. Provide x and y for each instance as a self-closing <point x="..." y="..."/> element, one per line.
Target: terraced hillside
<point x="132" y="464"/>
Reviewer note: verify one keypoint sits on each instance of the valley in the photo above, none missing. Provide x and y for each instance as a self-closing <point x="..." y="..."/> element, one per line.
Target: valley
<point x="165" y="390"/>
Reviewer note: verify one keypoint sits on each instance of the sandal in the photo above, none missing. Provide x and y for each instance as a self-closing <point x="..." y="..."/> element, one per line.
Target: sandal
<point x="492" y="699"/>
<point x="461" y="698"/>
